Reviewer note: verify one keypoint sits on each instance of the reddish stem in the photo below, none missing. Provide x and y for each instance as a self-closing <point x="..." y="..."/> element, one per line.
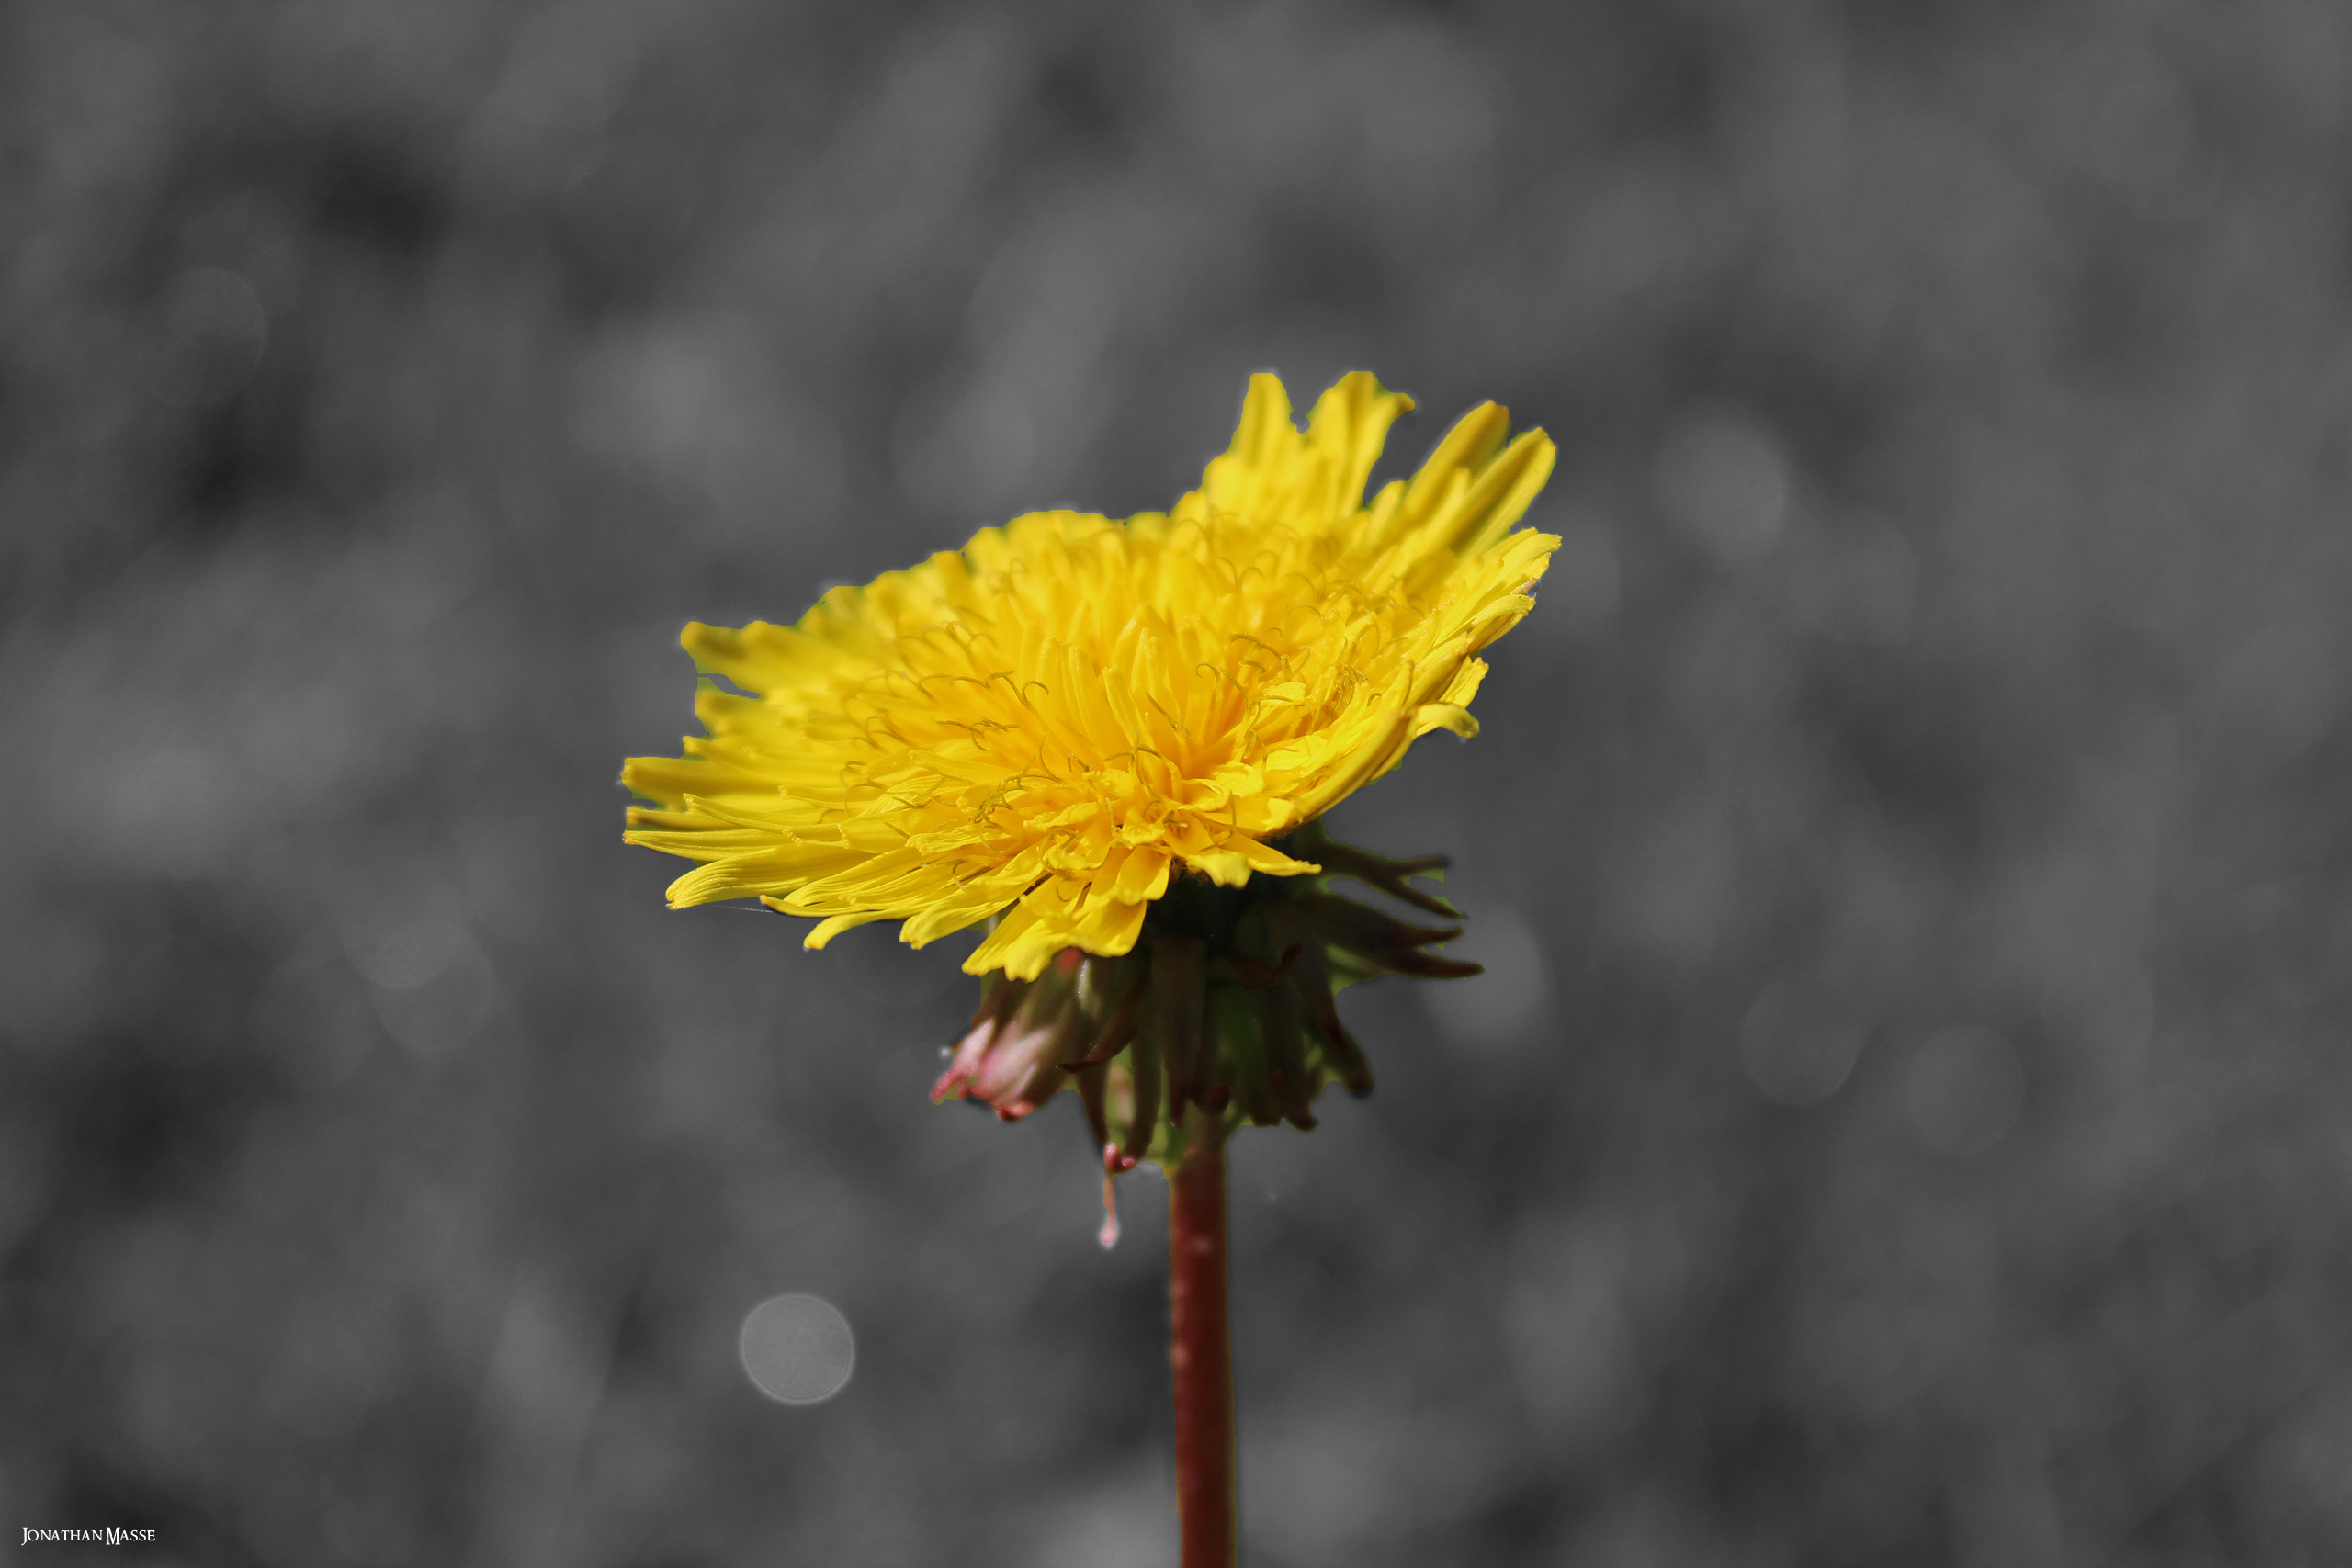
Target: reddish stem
<point x="1199" y="1350"/>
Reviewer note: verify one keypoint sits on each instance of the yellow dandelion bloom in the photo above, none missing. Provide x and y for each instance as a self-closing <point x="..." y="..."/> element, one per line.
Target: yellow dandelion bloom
<point x="1054" y="722"/>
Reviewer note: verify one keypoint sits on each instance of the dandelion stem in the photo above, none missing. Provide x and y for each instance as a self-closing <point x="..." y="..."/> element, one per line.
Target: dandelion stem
<point x="1200" y="1347"/>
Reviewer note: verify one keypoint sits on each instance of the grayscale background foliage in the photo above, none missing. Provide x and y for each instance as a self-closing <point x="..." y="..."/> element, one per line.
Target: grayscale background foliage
<point x="1907" y="1119"/>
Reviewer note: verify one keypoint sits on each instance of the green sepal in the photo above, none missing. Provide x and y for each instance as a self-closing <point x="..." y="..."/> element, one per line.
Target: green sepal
<point x="1240" y="1035"/>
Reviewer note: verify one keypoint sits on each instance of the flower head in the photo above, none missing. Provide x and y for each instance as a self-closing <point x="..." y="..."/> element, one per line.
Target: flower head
<point x="1072" y="716"/>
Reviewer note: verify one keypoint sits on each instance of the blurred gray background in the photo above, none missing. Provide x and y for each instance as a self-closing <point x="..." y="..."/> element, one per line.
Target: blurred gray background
<point x="1907" y="1120"/>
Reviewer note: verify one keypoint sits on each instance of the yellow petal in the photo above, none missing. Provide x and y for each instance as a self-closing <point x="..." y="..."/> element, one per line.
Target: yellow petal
<point x="1142" y="877"/>
<point x="1443" y="715"/>
<point x="828" y="930"/>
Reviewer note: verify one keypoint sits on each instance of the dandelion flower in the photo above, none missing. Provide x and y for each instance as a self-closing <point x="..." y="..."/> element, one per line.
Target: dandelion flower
<point x="1070" y="716"/>
<point x="1115" y="743"/>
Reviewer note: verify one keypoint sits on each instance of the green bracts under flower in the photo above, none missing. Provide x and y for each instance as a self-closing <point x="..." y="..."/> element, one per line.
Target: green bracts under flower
<point x="1225" y="1003"/>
